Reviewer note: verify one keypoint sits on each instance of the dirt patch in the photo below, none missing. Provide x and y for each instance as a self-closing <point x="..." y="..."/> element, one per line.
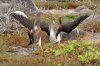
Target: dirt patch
<point x="94" y="37"/>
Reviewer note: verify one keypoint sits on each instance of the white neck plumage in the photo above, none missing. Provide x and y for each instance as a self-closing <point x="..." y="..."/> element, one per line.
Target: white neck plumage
<point x="53" y="37"/>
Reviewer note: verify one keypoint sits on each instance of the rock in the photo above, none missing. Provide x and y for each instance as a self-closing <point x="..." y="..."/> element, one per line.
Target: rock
<point x="3" y="1"/>
<point x="4" y="7"/>
<point x="29" y="4"/>
<point x="83" y="10"/>
<point x="2" y="19"/>
<point x="8" y="6"/>
<point x="43" y="0"/>
<point x="59" y="12"/>
<point x="20" y="50"/>
<point x="2" y="24"/>
<point x="92" y="18"/>
<point x="91" y="23"/>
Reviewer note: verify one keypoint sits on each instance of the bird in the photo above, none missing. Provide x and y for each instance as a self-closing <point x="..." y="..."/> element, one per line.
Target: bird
<point x="52" y="30"/>
<point x="26" y="22"/>
<point x="33" y="28"/>
<point x="69" y="26"/>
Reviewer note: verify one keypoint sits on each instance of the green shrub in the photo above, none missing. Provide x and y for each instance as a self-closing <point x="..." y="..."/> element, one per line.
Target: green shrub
<point x="85" y="51"/>
<point x="64" y="50"/>
<point x="89" y="56"/>
<point x="69" y="18"/>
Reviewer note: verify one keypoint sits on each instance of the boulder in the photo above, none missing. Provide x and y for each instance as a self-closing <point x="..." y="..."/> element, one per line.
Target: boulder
<point x="28" y="3"/>
<point x="91" y="23"/>
<point x="8" y="6"/>
<point x="83" y="10"/>
<point x="43" y="0"/>
<point x="2" y="19"/>
<point x="4" y="7"/>
<point x="19" y="51"/>
<point x="92" y="18"/>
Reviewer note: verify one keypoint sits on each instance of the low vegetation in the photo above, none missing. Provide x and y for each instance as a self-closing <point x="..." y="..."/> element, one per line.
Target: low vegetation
<point x="72" y="53"/>
<point x="85" y="53"/>
<point x="63" y="4"/>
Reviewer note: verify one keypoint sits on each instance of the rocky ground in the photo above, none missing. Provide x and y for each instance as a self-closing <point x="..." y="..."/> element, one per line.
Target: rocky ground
<point x="16" y="44"/>
<point x="88" y="36"/>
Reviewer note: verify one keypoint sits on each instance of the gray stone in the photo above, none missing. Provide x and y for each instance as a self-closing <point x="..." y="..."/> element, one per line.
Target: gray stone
<point x="4" y="7"/>
<point x="83" y="10"/>
<point x="19" y="51"/>
<point x="92" y="18"/>
<point x="43" y="0"/>
<point x="2" y="19"/>
<point x="91" y="23"/>
<point x="29" y="4"/>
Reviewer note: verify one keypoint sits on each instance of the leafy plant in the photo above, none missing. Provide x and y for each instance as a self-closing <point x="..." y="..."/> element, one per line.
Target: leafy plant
<point x="85" y="51"/>
<point x="89" y="56"/>
<point x="70" y="18"/>
<point x="64" y="49"/>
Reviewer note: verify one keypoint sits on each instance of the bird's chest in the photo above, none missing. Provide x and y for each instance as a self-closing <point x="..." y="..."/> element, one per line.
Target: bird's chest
<point x="37" y="33"/>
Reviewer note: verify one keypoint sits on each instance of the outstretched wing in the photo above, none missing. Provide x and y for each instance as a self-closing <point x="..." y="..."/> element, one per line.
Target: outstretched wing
<point x="23" y="19"/>
<point x="68" y="27"/>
